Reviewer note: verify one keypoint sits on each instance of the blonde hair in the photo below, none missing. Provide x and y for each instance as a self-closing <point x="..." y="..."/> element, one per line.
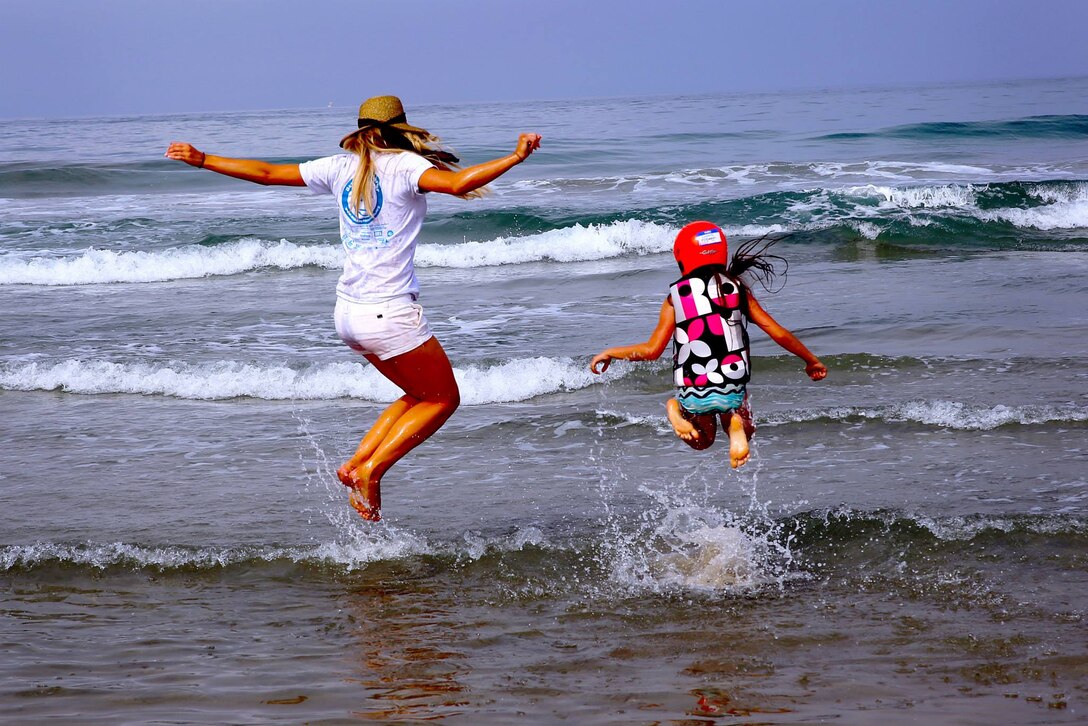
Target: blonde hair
<point x="388" y="140"/>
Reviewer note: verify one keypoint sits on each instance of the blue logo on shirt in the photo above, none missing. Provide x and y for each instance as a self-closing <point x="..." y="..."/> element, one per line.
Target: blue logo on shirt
<point x="362" y="217"/>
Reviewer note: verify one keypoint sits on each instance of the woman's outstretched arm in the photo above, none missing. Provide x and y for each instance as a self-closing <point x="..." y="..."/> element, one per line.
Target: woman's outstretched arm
<point x="472" y="178"/>
<point x="258" y="172"/>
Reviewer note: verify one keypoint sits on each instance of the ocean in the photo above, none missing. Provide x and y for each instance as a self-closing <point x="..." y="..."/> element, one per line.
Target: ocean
<point x="909" y="541"/>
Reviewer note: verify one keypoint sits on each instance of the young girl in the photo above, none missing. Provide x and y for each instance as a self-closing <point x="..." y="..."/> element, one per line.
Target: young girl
<point x="706" y="315"/>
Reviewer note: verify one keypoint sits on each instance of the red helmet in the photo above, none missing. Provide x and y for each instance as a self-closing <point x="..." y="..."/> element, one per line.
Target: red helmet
<point x="699" y="244"/>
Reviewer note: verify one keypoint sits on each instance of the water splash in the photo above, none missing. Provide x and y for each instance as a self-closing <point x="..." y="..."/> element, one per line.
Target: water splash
<point x="357" y="543"/>
<point x="685" y="540"/>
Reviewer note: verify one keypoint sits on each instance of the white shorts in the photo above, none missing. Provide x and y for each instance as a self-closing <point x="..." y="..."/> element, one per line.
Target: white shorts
<point x="384" y="329"/>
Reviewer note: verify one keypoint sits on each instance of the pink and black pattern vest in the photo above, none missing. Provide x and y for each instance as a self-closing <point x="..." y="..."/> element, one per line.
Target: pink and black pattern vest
<point x="710" y="345"/>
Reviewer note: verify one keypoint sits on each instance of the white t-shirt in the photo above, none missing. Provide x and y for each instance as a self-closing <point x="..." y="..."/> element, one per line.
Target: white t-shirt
<point x="381" y="248"/>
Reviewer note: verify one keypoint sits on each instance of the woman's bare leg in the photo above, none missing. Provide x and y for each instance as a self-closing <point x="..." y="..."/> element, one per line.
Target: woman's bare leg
<point x="426" y="377"/>
<point x="374" y="437"/>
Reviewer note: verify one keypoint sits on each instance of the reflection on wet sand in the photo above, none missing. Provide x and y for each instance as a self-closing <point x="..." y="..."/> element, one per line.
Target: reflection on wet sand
<point x="404" y="656"/>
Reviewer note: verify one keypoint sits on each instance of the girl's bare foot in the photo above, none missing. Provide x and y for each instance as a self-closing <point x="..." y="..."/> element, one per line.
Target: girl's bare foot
<point x="738" y="442"/>
<point x="680" y="425"/>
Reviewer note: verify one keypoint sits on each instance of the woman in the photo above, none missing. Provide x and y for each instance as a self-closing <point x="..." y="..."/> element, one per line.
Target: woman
<point x="380" y="191"/>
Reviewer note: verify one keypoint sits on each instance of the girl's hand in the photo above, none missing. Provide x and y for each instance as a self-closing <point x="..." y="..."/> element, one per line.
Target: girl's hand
<point x="527" y="144"/>
<point x="816" y="370"/>
<point x="186" y="153"/>
<point x="602" y="360"/>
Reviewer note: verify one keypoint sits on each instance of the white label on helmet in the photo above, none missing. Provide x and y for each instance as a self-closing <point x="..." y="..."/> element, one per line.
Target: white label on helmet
<point x="710" y="237"/>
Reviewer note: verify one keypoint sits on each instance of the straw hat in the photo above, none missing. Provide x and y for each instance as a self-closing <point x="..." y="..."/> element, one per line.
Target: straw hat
<point x="382" y="111"/>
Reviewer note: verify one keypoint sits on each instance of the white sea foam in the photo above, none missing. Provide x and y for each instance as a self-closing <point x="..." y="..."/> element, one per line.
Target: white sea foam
<point x="571" y="244"/>
<point x="1064" y="207"/>
<point x="192" y="261"/>
<point x="1067" y="208"/>
<point x="118" y="553"/>
<point x="356" y="552"/>
<point x="924" y="197"/>
<point x="359" y="545"/>
<point x="249" y="202"/>
<point x="652" y="184"/>
<point x="514" y="380"/>
<point x="967" y="528"/>
<point x="659" y="423"/>
<point x="868" y="230"/>
<point x="688" y="550"/>
<point x="943" y="414"/>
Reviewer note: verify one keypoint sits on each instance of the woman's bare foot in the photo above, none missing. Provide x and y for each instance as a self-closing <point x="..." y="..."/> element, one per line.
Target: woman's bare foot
<point x="369" y="512"/>
<point x="365" y="496"/>
<point x="680" y="425"/>
<point x="738" y="442"/>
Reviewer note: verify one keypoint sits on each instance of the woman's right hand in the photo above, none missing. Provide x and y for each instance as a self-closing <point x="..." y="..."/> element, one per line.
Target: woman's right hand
<point x="527" y="144"/>
<point x="602" y="360"/>
<point x="187" y="153"/>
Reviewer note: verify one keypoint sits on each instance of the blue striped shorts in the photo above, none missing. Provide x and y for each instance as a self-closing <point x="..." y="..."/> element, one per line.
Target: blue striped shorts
<point x="712" y="403"/>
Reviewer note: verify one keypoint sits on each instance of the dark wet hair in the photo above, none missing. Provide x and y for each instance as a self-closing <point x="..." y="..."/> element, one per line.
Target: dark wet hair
<point x="752" y="258"/>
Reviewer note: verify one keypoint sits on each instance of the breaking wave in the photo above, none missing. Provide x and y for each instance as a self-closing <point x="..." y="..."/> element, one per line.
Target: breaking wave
<point x="512" y="380"/>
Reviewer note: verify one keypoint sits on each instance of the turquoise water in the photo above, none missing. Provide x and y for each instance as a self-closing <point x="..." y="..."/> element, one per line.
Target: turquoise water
<point x="907" y="543"/>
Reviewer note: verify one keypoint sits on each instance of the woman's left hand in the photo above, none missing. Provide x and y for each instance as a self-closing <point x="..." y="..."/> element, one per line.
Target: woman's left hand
<point x="186" y="153"/>
<point x="527" y="144"/>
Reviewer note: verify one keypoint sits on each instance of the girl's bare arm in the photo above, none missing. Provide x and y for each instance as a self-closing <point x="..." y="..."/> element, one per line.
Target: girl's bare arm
<point x="650" y="350"/>
<point x="813" y="367"/>
<point x="258" y="172"/>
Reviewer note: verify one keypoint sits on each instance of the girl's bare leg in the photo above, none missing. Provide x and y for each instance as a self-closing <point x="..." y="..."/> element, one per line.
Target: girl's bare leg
<point x="426" y="376"/>
<point x="696" y="430"/>
<point x="738" y="440"/>
<point x="680" y="425"/>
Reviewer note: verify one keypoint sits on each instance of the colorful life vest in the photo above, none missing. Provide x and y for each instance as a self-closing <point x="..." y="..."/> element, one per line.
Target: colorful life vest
<point x="710" y="345"/>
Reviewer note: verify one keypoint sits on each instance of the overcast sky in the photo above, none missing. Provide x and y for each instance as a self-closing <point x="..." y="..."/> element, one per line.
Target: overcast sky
<point x="106" y="57"/>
